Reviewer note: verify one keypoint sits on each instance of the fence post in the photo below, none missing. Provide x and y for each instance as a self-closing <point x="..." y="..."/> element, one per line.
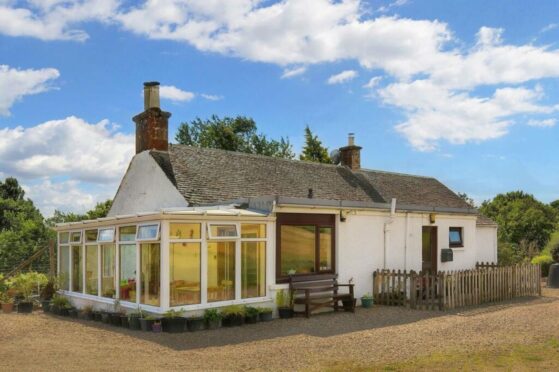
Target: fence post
<point x="413" y="290"/>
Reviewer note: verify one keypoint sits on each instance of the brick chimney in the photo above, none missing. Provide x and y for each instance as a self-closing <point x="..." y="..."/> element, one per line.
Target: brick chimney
<point x="351" y="154"/>
<point x="152" y="125"/>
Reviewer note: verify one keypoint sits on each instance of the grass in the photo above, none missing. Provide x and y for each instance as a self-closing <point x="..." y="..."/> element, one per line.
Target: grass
<point x="532" y="357"/>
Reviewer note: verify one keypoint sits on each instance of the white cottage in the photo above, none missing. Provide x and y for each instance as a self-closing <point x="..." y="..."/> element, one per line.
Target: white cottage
<point x="193" y="228"/>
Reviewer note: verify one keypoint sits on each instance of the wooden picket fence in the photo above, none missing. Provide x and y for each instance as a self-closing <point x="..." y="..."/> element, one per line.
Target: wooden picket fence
<point x="455" y="289"/>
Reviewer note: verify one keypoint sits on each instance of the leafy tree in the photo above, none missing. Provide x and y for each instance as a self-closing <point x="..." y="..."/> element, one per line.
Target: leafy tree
<point x="467" y="199"/>
<point x="522" y="219"/>
<point x="313" y="149"/>
<point x="100" y="210"/>
<point x="22" y="227"/>
<point x="233" y="134"/>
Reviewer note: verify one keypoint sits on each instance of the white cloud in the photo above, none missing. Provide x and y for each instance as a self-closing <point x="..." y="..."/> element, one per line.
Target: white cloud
<point x="373" y="82"/>
<point x="211" y="97"/>
<point x="175" y="94"/>
<point x="342" y="77"/>
<point x="390" y="6"/>
<point x="16" y="83"/>
<point x="292" y="72"/>
<point x="542" y="123"/>
<point x="549" y="27"/>
<point x="70" y="147"/>
<point x="53" y="19"/>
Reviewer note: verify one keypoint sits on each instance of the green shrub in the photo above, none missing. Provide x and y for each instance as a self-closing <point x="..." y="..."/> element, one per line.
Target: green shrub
<point x="212" y="315"/>
<point x="265" y="310"/>
<point x="545" y="261"/>
<point x="27" y="283"/>
<point x="171" y="314"/>
<point x="251" y="311"/>
<point x="61" y="302"/>
<point x="284" y="298"/>
<point x="555" y="253"/>
<point x="233" y="310"/>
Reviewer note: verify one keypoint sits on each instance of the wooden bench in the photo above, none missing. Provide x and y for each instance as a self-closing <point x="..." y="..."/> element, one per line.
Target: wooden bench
<point x="318" y="291"/>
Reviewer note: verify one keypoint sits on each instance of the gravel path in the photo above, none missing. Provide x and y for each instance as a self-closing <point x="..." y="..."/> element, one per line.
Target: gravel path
<point x="382" y="334"/>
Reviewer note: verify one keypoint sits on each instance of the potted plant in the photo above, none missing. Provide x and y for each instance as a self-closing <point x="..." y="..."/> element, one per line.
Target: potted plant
<point x="73" y="312"/>
<point x="251" y="315"/>
<point x="97" y="315"/>
<point x="134" y="319"/>
<point x="284" y="301"/>
<point x="367" y="301"/>
<point x="212" y="318"/>
<point x="265" y="314"/>
<point x="59" y="305"/>
<point x="146" y="322"/>
<point x="7" y="303"/>
<point x="25" y="284"/>
<point x="173" y="322"/>
<point x="157" y="327"/>
<point x="48" y="292"/>
<point x="196" y="323"/>
<point x="233" y="315"/>
<point x="115" y="315"/>
<point x="86" y="313"/>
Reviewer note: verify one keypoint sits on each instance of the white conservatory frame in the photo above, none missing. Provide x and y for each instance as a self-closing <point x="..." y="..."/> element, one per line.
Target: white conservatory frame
<point x="204" y="217"/>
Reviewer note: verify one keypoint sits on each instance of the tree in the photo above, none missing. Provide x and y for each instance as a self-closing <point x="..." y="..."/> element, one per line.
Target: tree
<point x="234" y="134"/>
<point x="100" y="210"/>
<point x="522" y="219"/>
<point x="313" y="149"/>
<point x="10" y="189"/>
<point x="467" y="199"/>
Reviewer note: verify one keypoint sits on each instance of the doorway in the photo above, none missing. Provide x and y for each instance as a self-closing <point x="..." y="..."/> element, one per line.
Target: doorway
<point x="429" y="249"/>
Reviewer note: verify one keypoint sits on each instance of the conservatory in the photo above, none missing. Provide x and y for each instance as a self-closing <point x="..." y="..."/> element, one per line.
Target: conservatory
<point x="187" y="259"/>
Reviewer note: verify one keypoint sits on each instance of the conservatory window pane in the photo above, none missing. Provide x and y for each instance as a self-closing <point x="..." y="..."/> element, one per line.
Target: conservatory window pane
<point x="150" y="274"/>
<point x="127" y="233"/>
<point x="76" y="237"/>
<point x="185" y="269"/>
<point x="91" y="270"/>
<point x="64" y="271"/>
<point x="184" y="231"/>
<point x="91" y="236"/>
<point x="77" y="279"/>
<point x="128" y="272"/>
<point x="64" y="237"/>
<point x="253" y="261"/>
<point x="221" y="271"/>
<point x="325" y="248"/>
<point x="297" y="249"/>
<point x="253" y="230"/>
<point x="148" y="232"/>
<point x="107" y="235"/>
<point x="108" y="270"/>
<point x="223" y="231"/>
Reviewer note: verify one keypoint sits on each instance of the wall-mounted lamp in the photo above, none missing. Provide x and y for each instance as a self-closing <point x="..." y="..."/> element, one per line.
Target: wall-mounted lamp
<point x="432" y="217"/>
<point x="343" y="215"/>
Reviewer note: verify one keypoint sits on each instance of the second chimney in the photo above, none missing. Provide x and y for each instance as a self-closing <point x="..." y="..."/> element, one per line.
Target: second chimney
<point x="152" y="125"/>
<point x="351" y="154"/>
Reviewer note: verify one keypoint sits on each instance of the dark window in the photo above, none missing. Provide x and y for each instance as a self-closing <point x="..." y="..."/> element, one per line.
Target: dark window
<point x="455" y="237"/>
<point x="305" y="244"/>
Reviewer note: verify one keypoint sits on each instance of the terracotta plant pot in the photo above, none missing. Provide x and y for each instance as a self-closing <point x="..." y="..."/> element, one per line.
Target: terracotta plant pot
<point x="7" y="308"/>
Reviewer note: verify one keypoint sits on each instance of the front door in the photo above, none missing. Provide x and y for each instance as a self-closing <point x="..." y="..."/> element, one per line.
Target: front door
<point x="429" y="249"/>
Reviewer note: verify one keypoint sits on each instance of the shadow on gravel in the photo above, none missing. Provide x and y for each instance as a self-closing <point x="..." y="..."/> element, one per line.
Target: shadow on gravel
<point x="320" y="325"/>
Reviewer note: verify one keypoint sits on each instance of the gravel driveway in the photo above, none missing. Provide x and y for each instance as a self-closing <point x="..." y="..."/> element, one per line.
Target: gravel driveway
<point x="381" y="334"/>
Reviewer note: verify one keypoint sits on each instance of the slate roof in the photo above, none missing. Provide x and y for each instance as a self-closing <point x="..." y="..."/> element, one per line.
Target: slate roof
<point x="205" y="176"/>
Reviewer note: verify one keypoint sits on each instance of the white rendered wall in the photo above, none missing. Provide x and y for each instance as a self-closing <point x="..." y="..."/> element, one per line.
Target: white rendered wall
<point x="487" y="243"/>
<point x="145" y="188"/>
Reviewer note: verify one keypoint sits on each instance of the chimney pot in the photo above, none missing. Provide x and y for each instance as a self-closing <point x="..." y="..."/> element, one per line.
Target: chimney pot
<point x="151" y="95"/>
<point x="351" y="139"/>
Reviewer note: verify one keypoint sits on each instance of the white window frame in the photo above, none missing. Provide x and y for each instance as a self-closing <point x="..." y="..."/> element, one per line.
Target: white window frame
<point x="211" y="237"/>
<point x="113" y="228"/>
<point x="81" y="237"/>
<point x="157" y="237"/>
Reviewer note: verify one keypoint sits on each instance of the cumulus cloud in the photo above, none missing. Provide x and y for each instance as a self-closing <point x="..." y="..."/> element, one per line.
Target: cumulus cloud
<point x="542" y="123"/>
<point x="211" y="97"/>
<point x="292" y="72"/>
<point x="16" y="83"/>
<point x="68" y="147"/>
<point x="373" y="82"/>
<point x="175" y="94"/>
<point x="342" y="77"/>
<point x="417" y="55"/>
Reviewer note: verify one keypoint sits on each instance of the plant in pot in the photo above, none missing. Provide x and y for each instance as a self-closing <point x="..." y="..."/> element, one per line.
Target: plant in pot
<point x="251" y="315"/>
<point x="265" y="314"/>
<point x="233" y="315"/>
<point x="25" y="284"/>
<point x="212" y="318"/>
<point x="48" y="292"/>
<point x="134" y="319"/>
<point x="195" y="323"/>
<point x="59" y="305"/>
<point x="146" y="322"/>
<point x="86" y="313"/>
<point x="173" y="322"/>
<point x="7" y="303"/>
<point x="367" y="301"/>
<point x="284" y="301"/>
<point x="116" y="314"/>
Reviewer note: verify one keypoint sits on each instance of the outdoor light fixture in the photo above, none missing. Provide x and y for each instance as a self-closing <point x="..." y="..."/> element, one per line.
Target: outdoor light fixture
<point x="343" y="215"/>
<point x="431" y="217"/>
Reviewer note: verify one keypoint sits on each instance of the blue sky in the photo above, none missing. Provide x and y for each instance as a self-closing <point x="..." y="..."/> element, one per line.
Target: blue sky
<point x="464" y="91"/>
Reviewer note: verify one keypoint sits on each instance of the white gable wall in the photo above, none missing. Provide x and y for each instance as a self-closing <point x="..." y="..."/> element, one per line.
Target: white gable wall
<point x="487" y="243"/>
<point x="145" y="188"/>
